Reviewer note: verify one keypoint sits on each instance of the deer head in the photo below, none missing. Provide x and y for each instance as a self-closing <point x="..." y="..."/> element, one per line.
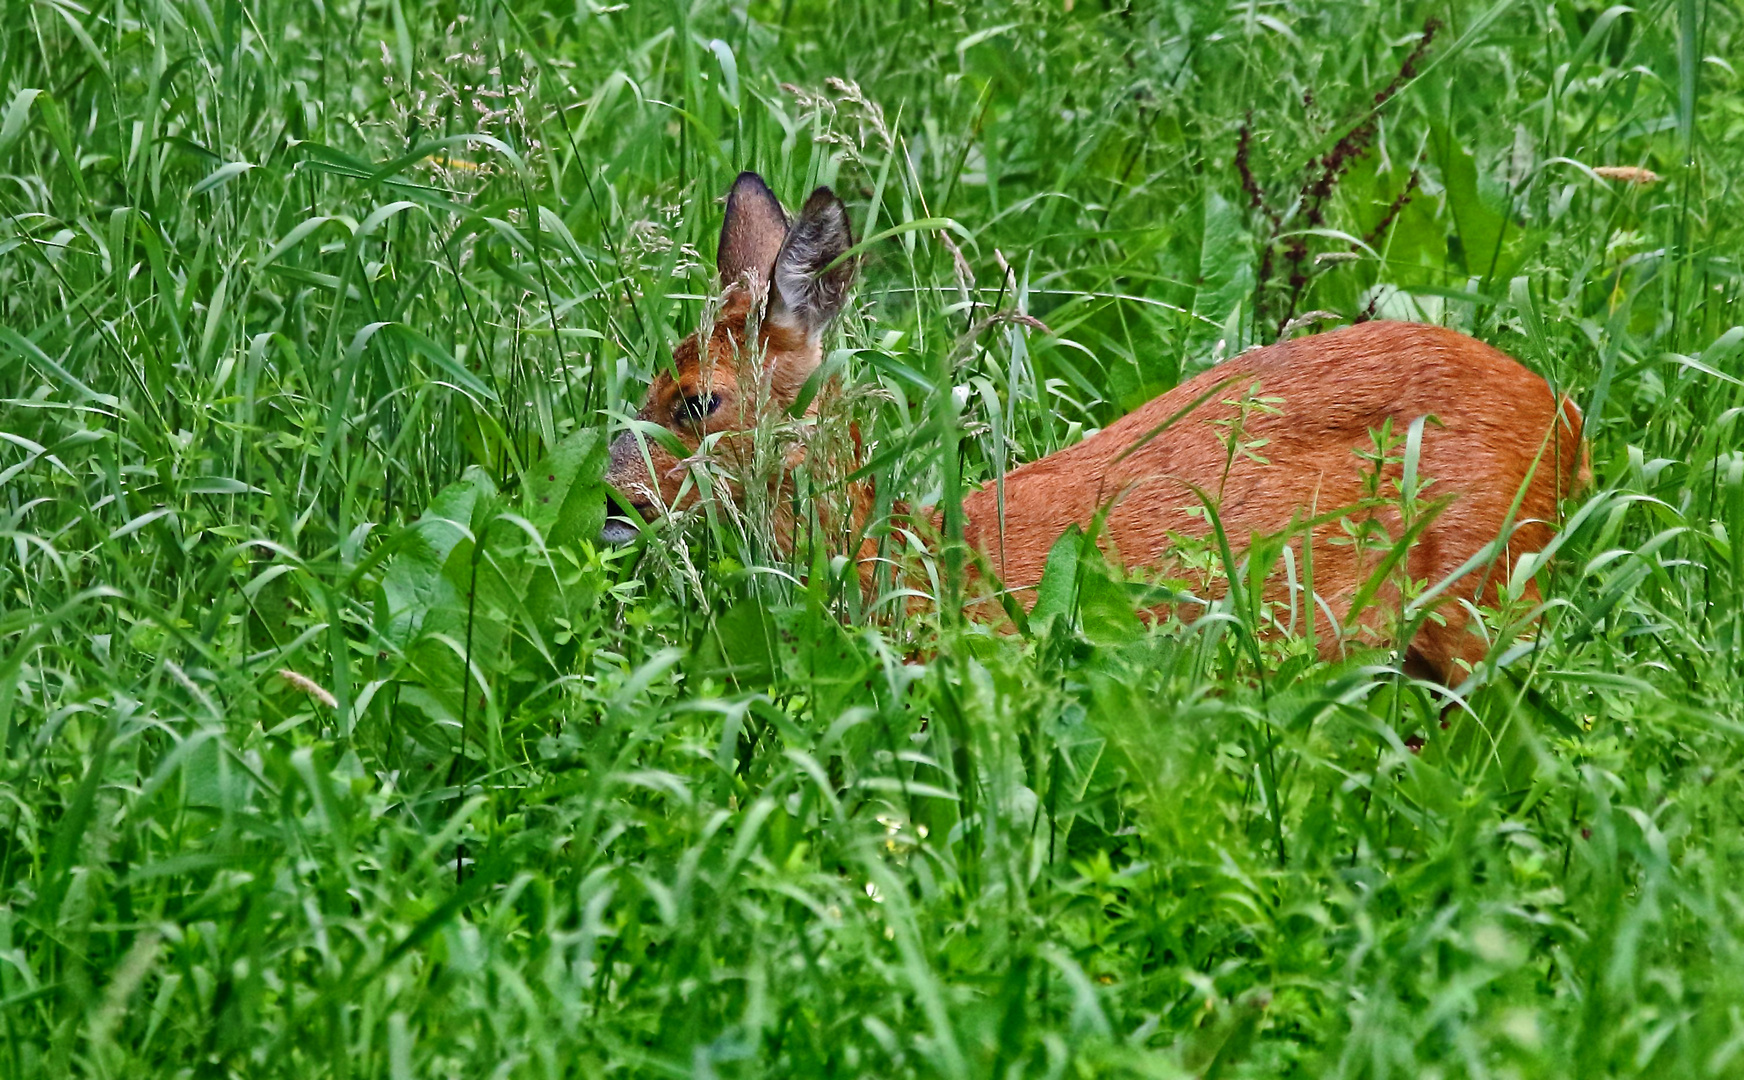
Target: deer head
<point x="781" y="284"/>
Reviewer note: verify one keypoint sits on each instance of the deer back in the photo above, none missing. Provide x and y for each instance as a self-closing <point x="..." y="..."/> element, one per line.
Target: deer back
<point x="1499" y="451"/>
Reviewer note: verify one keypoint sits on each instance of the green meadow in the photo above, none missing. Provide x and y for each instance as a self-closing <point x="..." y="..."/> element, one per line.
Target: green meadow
<point x="334" y="744"/>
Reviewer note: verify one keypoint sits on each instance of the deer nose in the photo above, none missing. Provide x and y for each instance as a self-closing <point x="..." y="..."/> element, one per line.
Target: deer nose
<point x="617" y="531"/>
<point x="618" y="528"/>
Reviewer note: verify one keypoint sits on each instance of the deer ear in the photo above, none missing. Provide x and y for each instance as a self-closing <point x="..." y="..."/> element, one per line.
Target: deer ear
<point x="751" y="233"/>
<point x="810" y="282"/>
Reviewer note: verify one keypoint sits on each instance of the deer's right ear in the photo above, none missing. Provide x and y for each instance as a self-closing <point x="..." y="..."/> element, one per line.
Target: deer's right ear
<point x="751" y="233"/>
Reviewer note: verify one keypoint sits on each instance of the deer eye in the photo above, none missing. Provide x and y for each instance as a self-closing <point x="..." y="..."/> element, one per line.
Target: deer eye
<point x="696" y="407"/>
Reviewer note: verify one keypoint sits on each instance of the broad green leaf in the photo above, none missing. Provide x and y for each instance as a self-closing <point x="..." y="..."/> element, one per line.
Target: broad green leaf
<point x="220" y="176"/>
<point x="1225" y="280"/>
<point x="17" y="113"/>
<point x="1058" y="588"/>
<point x="565" y="496"/>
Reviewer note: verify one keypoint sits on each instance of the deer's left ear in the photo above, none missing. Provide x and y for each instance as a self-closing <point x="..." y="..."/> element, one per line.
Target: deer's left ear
<point x="811" y="277"/>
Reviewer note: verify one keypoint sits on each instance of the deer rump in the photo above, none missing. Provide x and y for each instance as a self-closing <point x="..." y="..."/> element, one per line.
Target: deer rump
<point x="1499" y="451"/>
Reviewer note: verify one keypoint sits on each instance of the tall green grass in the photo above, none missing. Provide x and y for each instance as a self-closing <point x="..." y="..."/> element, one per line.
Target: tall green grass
<point x="333" y="746"/>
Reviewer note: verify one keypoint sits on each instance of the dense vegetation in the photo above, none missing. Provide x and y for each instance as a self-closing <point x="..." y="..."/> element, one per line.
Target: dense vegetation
<point x="331" y="744"/>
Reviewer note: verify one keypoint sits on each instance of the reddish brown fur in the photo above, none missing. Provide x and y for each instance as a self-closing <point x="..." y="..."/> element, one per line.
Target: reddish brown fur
<point x="733" y="370"/>
<point x="1496" y="438"/>
<point x="1494" y="420"/>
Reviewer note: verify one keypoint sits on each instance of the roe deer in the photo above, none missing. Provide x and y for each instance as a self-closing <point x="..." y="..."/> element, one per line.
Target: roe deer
<point x="1499" y="447"/>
